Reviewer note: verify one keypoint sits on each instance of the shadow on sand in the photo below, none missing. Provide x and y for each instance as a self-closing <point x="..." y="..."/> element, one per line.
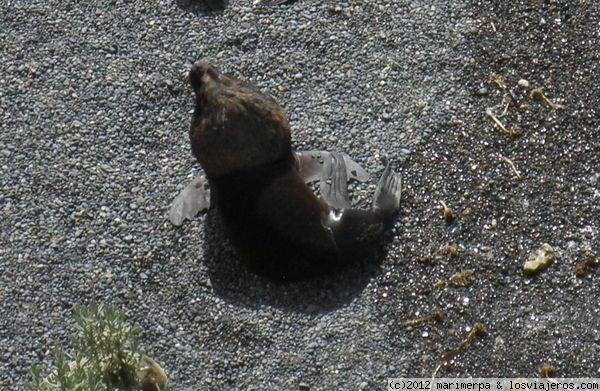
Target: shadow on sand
<point x="235" y="284"/>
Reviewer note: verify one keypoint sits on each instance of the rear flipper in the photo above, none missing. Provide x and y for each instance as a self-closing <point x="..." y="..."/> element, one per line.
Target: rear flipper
<point x="387" y="195"/>
<point x="312" y="166"/>
<point x="332" y="170"/>
<point x="359" y="233"/>
<point x="335" y="190"/>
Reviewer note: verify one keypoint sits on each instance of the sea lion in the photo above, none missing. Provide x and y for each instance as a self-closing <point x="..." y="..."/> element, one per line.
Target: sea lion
<point x="242" y="140"/>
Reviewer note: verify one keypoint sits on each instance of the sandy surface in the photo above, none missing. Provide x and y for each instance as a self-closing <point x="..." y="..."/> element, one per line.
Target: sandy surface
<point x="93" y="147"/>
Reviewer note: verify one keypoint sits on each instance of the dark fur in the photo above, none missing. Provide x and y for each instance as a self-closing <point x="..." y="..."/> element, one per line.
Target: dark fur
<point x="279" y="227"/>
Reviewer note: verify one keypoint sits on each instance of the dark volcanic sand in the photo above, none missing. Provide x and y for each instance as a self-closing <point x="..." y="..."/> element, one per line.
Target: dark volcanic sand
<point x="93" y="147"/>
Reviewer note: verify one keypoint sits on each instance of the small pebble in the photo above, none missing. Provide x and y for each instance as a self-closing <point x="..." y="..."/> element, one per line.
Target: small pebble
<point x="539" y="259"/>
<point x="523" y="83"/>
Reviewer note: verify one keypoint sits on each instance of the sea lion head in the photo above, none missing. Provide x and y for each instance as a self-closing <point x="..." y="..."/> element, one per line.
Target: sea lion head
<point x="235" y="127"/>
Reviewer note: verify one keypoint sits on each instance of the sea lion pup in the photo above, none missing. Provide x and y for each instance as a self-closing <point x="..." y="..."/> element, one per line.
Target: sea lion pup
<point x="242" y="140"/>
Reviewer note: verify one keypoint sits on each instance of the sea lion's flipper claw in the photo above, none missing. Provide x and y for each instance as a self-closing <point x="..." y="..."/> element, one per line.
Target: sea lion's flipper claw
<point x="335" y="190"/>
<point x="192" y="200"/>
<point x="388" y="192"/>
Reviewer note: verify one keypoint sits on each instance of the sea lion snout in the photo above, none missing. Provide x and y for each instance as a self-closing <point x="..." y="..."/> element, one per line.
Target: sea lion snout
<point x="202" y="73"/>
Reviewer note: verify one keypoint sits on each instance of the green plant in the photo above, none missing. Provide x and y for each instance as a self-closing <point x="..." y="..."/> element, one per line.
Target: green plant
<point x="104" y="357"/>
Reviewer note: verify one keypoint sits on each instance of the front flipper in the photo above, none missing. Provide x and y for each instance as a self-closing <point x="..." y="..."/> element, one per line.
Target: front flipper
<point x="192" y="200"/>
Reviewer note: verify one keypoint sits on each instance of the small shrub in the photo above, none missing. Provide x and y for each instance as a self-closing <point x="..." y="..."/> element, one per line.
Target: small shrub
<point x="104" y="357"/>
